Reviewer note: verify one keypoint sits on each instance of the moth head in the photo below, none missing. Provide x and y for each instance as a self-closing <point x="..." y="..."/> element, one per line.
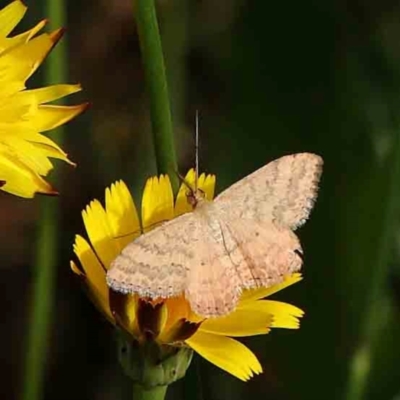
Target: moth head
<point x="194" y="196"/>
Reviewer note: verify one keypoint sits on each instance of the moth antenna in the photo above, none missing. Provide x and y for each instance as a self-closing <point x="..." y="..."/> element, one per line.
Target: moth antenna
<point x="196" y="151"/>
<point x="141" y="230"/>
<point x="123" y="235"/>
<point x="184" y="181"/>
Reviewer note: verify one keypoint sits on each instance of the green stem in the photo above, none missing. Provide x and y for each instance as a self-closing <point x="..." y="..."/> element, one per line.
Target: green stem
<point x="47" y="246"/>
<point x="360" y="366"/>
<point x="156" y="80"/>
<point x="155" y="393"/>
<point x="174" y="20"/>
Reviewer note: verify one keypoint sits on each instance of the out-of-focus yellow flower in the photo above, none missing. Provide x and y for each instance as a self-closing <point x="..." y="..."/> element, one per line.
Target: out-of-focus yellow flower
<point x="24" y="114"/>
<point x="171" y="321"/>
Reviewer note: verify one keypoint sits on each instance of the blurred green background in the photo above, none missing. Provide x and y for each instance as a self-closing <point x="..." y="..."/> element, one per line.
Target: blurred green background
<point x="268" y="78"/>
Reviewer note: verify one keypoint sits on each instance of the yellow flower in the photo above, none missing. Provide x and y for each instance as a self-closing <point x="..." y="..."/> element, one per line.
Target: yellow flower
<point x="24" y="151"/>
<point x="171" y="321"/>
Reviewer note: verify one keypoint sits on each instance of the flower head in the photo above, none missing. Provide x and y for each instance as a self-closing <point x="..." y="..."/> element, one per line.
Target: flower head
<point x="24" y="114"/>
<point x="171" y="321"/>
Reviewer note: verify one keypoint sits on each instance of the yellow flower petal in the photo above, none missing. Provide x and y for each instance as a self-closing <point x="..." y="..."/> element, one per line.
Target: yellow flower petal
<point x="190" y="179"/>
<point x="51" y="93"/>
<point x="94" y="272"/>
<point x="121" y="214"/>
<point x="22" y="131"/>
<point x="20" y="62"/>
<point x="50" y="117"/>
<point x="49" y="151"/>
<point x="108" y="230"/>
<point x="42" y="144"/>
<point x="75" y="269"/>
<point x="20" y="179"/>
<point x="255" y="294"/>
<point x="178" y="308"/>
<point x="92" y="268"/>
<point x="99" y="233"/>
<point x="157" y="202"/>
<point x="283" y="315"/>
<point x="17" y="112"/>
<point x="10" y="16"/>
<point x="240" y="323"/>
<point x="178" y="332"/>
<point x="226" y="353"/>
<point x="207" y="184"/>
<point x="131" y="313"/>
<point x="27" y="154"/>
<point x="23" y="37"/>
<point x="99" y="302"/>
<point x="124" y="309"/>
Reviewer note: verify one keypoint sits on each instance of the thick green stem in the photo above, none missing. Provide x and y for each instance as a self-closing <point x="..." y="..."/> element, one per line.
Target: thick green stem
<point x="156" y="81"/>
<point x="41" y="303"/>
<point x="47" y="246"/>
<point x="155" y="393"/>
<point x="174" y="19"/>
<point x="360" y="366"/>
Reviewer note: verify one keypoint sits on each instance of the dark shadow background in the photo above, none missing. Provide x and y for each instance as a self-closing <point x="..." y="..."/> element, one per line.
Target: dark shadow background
<point x="269" y="78"/>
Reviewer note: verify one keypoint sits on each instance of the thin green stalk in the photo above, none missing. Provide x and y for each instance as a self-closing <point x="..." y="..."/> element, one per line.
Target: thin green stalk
<point x="47" y="245"/>
<point x="156" y="82"/>
<point x="155" y="393"/>
<point x="174" y="20"/>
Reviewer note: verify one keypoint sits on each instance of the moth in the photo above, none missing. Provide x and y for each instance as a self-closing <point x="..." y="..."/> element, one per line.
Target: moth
<point x="243" y="239"/>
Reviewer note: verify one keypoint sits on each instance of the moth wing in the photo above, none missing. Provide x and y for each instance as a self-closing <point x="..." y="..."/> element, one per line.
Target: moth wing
<point x="283" y="191"/>
<point x="156" y="263"/>
<point x="263" y="253"/>
<point x="213" y="286"/>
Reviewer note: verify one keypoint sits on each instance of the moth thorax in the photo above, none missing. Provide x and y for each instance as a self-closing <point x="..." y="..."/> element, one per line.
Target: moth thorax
<point x="194" y="197"/>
